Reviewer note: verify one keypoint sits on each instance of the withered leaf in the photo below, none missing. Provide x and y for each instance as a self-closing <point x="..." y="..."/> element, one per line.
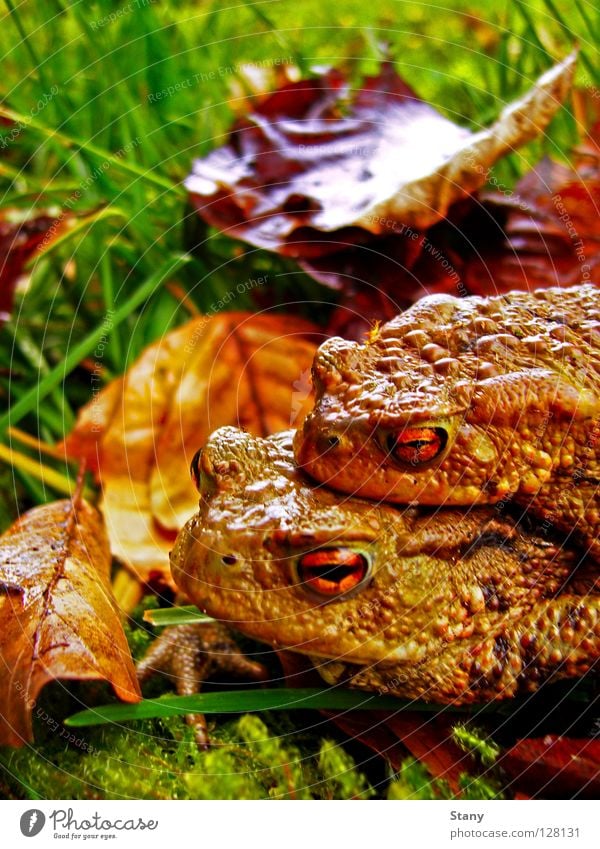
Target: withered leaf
<point x="384" y="275"/>
<point x="314" y="164"/>
<point x="93" y="420"/>
<point x="551" y="236"/>
<point x="20" y="237"/>
<point x="543" y="233"/>
<point x="58" y="619"/>
<point x="394" y="736"/>
<point x="252" y="371"/>
<point x="240" y="369"/>
<point x="555" y="767"/>
<point x="251" y="81"/>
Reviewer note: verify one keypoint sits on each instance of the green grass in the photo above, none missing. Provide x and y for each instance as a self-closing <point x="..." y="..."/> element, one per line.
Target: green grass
<point x="252" y="758"/>
<point x="240" y="701"/>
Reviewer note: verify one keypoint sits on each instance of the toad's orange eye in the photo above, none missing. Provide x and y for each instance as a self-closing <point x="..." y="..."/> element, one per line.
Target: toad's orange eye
<point x="195" y="468"/>
<point x="416" y="445"/>
<point x="332" y="571"/>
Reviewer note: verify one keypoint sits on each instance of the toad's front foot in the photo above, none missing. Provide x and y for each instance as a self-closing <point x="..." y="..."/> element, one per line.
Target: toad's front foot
<point x="189" y="654"/>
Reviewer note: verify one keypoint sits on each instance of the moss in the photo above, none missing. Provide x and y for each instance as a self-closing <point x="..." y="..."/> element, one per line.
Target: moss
<point x="139" y="634"/>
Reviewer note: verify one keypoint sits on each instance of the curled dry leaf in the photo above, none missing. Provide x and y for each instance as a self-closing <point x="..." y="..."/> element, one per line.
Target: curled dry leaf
<point x="315" y="167"/>
<point x="58" y="619"/>
<point x="20" y="237"/>
<point x="544" y="232"/>
<point x="142" y="432"/>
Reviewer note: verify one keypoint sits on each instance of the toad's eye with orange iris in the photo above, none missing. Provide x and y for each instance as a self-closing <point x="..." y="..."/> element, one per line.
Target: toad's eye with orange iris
<point x="195" y="468"/>
<point x="415" y="445"/>
<point x="333" y="571"/>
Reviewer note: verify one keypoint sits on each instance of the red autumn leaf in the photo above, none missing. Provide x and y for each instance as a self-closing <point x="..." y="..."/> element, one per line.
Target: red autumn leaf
<point x="315" y="166"/>
<point x="58" y="619"/>
<point x="428" y="739"/>
<point x="555" y="767"/>
<point x="20" y="238"/>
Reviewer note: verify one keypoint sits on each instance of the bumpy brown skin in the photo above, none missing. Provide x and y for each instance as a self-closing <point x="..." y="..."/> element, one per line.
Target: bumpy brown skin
<point x="512" y="381"/>
<point x="458" y="606"/>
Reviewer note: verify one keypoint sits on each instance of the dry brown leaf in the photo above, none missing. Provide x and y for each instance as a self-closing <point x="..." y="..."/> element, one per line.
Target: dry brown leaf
<point x="92" y="423"/>
<point x="241" y="369"/>
<point x="58" y="619"/>
<point x="118" y="430"/>
<point x="244" y="370"/>
<point x="253" y="80"/>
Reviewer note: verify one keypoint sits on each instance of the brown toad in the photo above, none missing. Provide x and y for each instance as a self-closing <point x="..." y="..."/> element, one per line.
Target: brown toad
<point x="462" y="401"/>
<point x="447" y="605"/>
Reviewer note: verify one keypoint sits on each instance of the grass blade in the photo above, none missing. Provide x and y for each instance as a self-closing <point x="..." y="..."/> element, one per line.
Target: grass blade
<point x="176" y="616"/>
<point x="48" y="476"/>
<point x="244" y="701"/>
